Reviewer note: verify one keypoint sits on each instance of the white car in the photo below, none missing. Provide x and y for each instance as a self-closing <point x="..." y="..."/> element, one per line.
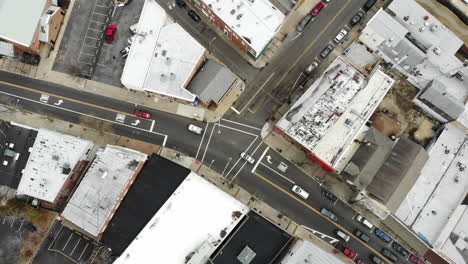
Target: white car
<point x="300" y="192"/>
<point x="247" y="157"/>
<point x="342" y="235"/>
<point x="195" y="129"/>
<point x="340" y="36"/>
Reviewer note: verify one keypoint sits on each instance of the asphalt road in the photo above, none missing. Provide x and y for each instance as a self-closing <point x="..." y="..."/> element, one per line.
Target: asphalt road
<point x="222" y="142"/>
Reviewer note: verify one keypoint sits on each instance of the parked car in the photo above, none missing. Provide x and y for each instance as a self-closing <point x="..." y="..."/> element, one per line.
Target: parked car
<point x="342" y="235"/>
<point x="133" y="28"/>
<point x="300" y="27"/>
<point x="326" y="51"/>
<point x="359" y="261"/>
<point x="376" y="259"/>
<point x="330" y="196"/>
<point x="415" y="259"/>
<point x="124" y="52"/>
<point x="346" y="251"/>
<point x="194" y="16"/>
<point x="364" y="237"/>
<point x="356" y="18"/>
<point x="340" y="36"/>
<point x="400" y="249"/>
<point x="300" y="192"/>
<point x="247" y="158"/>
<point x="311" y="68"/>
<point x="143" y="114"/>
<point x="329" y="214"/>
<point x="369" y="4"/>
<point x="316" y="10"/>
<point x="110" y="33"/>
<point x="364" y="221"/>
<point x="382" y="235"/>
<point x="195" y="129"/>
<point x="181" y="3"/>
<point x="387" y="253"/>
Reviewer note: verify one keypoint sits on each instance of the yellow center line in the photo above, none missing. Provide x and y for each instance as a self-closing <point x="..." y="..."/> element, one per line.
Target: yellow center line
<point x="320" y="214"/>
<point x="70" y="99"/>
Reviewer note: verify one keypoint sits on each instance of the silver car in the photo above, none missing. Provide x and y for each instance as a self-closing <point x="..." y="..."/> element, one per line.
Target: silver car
<point x="329" y="214"/>
<point x="247" y="158"/>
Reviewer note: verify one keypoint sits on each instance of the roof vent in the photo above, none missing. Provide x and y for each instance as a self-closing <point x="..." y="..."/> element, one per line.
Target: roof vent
<point x="426" y="24"/>
<point x="233" y="11"/>
<point x="55" y="157"/>
<point x="168" y="61"/>
<point x="162" y="77"/>
<point x="421" y="29"/>
<point x="434" y="28"/>
<point x="239" y="16"/>
<point x="172" y="76"/>
<point x="405" y="18"/>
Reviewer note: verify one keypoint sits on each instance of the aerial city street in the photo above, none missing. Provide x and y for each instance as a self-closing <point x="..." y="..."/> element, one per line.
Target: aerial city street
<point x="234" y="131"/>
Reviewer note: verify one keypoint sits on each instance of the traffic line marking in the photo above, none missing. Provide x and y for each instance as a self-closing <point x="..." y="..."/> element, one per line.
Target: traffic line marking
<point x="260" y="159"/>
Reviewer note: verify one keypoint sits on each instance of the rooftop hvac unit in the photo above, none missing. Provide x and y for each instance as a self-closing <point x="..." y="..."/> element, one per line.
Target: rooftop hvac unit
<point x="434" y="28"/>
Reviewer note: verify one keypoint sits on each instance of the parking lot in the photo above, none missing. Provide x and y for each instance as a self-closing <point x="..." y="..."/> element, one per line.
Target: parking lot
<point x="14" y="231"/>
<point x="83" y="48"/>
<point x="64" y="245"/>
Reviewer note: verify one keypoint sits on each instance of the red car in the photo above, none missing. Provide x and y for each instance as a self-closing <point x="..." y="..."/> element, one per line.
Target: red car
<point x="143" y="114"/>
<point x="414" y="259"/>
<point x="346" y="251"/>
<point x="110" y="33"/>
<point x="359" y="261"/>
<point x="317" y="9"/>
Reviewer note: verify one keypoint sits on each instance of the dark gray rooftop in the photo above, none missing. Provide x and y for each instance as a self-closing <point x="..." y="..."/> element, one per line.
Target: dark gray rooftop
<point x="436" y="94"/>
<point x="212" y="82"/>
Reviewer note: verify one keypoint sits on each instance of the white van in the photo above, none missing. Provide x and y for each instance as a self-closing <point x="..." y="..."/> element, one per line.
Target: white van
<point x="342" y="235"/>
<point x="364" y="221"/>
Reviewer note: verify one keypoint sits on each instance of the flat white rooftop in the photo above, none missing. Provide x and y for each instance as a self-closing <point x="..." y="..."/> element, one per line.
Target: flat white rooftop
<point x="306" y="252"/>
<point x="163" y="56"/>
<point x="53" y="157"/>
<point x="440" y="188"/>
<point x="192" y="222"/>
<point x="255" y="21"/>
<point x="103" y="187"/>
<point x="334" y="110"/>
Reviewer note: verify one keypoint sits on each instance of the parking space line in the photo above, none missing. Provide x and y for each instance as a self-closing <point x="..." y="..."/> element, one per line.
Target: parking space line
<point x="82" y="252"/>
<point x="95" y="21"/>
<point x="152" y="125"/>
<point x="99" y="30"/>
<point x="281" y="175"/>
<point x="100" y="14"/>
<point x="22" y="222"/>
<point x="241" y="124"/>
<point x="92" y="55"/>
<point x="12" y="221"/>
<point x="94" y="47"/>
<point x="260" y="159"/>
<point x="92" y="38"/>
<point x="4" y="219"/>
<point x="201" y="141"/>
<point x="69" y="237"/>
<point x="73" y="250"/>
<point x="346" y="26"/>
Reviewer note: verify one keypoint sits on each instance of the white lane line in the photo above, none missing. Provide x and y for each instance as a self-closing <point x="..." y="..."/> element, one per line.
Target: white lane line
<point x="201" y="141"/>
<point x="241" y="124"/>
<point x="76" y="112"/>
<point x="256" y="93"/>
<point x="284" y="177"/>
<point x="243" y="165"/>
<point x="152" y="125"/>
<point x="239" y="130"/>
<point x="164" y="141"/>
<point x="260" y="159"/>
<point x="208" y="143"/>
<point x="235" y="110"/>
<point x="225" y="167"/>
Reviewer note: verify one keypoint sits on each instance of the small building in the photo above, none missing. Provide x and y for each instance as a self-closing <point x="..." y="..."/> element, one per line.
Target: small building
<point x="430" y="56"/>
<point x="333" y="112"/>
<point x="15" y="145"/>
<point x="54" y="166"/>
<point x="306" y="252"/>
<point x="25" y="25"/>
<point x="189" y="226"/>
<point x="250" y="25"/>
<point x="103" y="187"/>
<point x="385" y="169"/>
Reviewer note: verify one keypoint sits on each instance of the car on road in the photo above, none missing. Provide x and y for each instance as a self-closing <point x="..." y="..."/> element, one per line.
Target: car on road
<point x="387" y="253"/>
<point x="401" y="250"/>
<point x="342" y="235"/>
<point x="346" y="251"/>
<point x="330" y="196"/>
<point x="376" y="259"/>
<point x="300" y="27"/>
<point x="340" y="36"/>
<point x="247" y="158"/>
<point x="362" y="236"/>
<point x="414" y="259"/>
<point x="143" y="114"/>
<point x="194" y="16"/>
<point x="356" y="18"/>
<point x="329" y="214"/>
<point x="326" y="51"/>
<point x="369" y="4"/>
<point x="300" y="192"/>
<point x="195" y="129"/>
<point x="181" y="3"/>
<point x="311" y="68"/>
<point x="382" y="235"/>
<point x="364" y="221"/>
<point x="110" y="33"/>
<point x="316" y="10"/>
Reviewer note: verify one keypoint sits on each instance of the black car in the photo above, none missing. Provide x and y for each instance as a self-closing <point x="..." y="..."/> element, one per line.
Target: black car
<point x="194" y="16"/>
<point x="330" y="196"/>
<point x="400" y="249"/>
<point x="362" y="236"/>
<point x="181" y="3"/>
<point x="326" y="51"/>
<point x="369" y="4"/>
<point x="356" y="18"/>
<point x="387" y="253"/>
